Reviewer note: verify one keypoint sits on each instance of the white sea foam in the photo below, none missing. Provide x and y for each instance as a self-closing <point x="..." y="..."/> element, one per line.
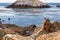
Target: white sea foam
<point x="5" y="9"/>
<point x="2" y="14"/>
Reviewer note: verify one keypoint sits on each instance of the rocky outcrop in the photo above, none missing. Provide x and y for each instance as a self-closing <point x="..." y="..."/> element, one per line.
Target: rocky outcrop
<point x="50" y="31"/>
<point x="25" y="31"/>
<point x="28" y="4"/>
<point x="16" y="30"/>
<point x="48" y="26"/>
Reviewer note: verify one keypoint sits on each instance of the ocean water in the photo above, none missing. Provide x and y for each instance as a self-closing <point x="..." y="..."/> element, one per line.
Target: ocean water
<point x="24" y="17"/>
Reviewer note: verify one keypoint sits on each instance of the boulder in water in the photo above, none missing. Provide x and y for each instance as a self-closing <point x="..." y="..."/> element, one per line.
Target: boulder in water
<point x="58" y="5"/>
<point x="28" y="4"/>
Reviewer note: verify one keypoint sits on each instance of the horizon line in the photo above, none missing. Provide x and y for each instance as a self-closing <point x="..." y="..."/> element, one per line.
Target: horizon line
<point x="43" y="2"/>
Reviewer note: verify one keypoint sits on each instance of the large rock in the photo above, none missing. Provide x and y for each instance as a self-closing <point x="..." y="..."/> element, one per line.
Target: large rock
<point x="28" y="4"/>
<point x="25" y="31"/>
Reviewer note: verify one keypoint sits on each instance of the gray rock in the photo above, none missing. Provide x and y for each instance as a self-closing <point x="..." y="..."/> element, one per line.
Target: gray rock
<point x="28" y="4"/>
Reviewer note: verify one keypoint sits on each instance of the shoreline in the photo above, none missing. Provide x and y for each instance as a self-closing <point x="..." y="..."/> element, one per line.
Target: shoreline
<point x="32" y="31"/>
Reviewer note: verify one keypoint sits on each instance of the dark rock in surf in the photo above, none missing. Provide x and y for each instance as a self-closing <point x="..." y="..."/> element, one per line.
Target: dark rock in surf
<point x="58" y="5"/>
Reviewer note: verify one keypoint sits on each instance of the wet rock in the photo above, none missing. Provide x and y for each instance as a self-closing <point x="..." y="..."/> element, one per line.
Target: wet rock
<point x="58" y="5"/>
